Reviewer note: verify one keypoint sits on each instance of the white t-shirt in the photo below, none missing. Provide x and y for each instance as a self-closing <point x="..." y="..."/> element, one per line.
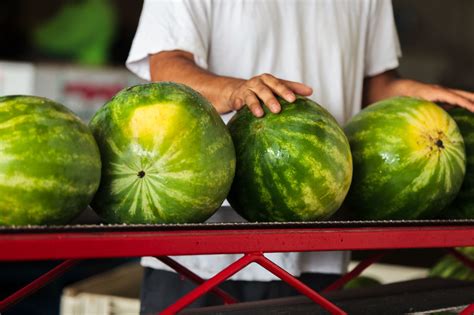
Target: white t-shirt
<point x="330" y="45"/>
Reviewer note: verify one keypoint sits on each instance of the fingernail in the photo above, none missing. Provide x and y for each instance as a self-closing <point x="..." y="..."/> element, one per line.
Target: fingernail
<point x="290" y="97"/>
<point x="275" y="108"/>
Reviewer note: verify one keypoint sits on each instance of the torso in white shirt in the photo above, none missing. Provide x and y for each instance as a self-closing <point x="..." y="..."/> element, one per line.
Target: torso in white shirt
<point x="330" y="45"/>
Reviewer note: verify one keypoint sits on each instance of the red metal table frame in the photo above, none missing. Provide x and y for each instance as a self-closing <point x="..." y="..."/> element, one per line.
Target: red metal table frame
<point x="253" y="243"/>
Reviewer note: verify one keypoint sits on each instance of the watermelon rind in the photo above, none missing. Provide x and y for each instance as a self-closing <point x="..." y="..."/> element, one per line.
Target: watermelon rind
<point x="463" y="206"/>
<point x="167" y="156"/>
<point x="291" y="166"/>
<point x="49" y="162"/>
<point x="409" y="160"/>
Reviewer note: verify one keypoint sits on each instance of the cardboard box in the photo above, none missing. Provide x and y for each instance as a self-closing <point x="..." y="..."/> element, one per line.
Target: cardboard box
<point x="17" y="78"/>
<point x="82" y="89"/>
<point x="116" y="292"/>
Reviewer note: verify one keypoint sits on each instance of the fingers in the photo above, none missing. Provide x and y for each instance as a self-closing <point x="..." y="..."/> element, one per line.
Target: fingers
<point x="264" y="92"/>
<point x="466" y="94"/>
<point x="266" y="88"/>
<point x="462" y="102"/>
<point x="268" y="98"/>
<point x="454" y="98"/>
<point x="238" y="103"/>
<point x="299" y="88"/>
<point x="279" y="87"/>
<point x="254" y="104"/>
<point x="436" y="93"/>
<point x="286" y="89"/>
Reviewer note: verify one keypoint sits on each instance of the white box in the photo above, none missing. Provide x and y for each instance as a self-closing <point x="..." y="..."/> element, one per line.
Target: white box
<point x="116" y="292"/>
<point x="16" y="78"/>
<point x="82" y="89"/>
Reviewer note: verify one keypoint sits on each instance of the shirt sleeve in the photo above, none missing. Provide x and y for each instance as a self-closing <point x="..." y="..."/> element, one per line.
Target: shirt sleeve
<point x="382" y="46"/>
<point x="170" y="25"/>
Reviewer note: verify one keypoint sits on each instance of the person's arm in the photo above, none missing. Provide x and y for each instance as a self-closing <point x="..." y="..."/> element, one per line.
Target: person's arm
<point x="225" y="93"/>
<point x="389" y="84"/>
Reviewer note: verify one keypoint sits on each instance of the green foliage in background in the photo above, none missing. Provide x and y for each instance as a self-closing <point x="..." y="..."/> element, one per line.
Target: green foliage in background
<point x="82" y="31"/>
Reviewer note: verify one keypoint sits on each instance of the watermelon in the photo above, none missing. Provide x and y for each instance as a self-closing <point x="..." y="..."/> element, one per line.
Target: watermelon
<point x="409" y="160"/>
<point x="291" y="166"/>
<point x="167" y="156"/>
<point x="362" y="282"/>
<point x="463" y="205"/>
<point x="452" y="268"/>
<point x="49" y="162"/>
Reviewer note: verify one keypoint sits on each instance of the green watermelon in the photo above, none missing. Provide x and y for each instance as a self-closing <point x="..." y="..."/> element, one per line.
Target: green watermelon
<point x="463" y="205"/>
<point x="409" y="160"/>
<point x="167" y="156"/>
<point x="49" y="162"/>
<point x="361" y="282"/>
<point x="291" y="166"/>
<point x="450" y="267"/>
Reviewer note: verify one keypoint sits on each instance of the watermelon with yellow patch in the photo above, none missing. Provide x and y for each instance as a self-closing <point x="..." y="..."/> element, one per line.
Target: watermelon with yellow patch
<point x="463" y="206"/>
<point x="291" y="166"/>
<point x="167" y="156"/>
<point x="409" y="160"/>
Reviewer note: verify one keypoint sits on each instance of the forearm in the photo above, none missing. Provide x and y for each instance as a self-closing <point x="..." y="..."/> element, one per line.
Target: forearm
<point x="180" y="67"/>
<point x="382" y="86"/>
<point x="225" y="93"/>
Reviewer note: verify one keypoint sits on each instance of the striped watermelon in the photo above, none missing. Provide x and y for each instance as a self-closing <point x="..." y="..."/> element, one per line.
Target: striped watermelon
<point x="49" y="162"/>
<point x="463" y="205"/>
<point x="450" y="267"/>
<point x="409" y="160"/>
<point x="293" y="166"/>
<point x="167" y="156"/>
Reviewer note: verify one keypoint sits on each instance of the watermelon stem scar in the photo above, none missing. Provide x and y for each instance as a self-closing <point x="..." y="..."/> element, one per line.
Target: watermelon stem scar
<point x="426" y="166"/>
<point x="439" y="143"/>
<point x="141" y="174"/>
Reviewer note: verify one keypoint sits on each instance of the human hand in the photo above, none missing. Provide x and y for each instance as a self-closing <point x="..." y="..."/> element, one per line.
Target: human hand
<point x="435" y="93"/>
<point x="264" y="87"/>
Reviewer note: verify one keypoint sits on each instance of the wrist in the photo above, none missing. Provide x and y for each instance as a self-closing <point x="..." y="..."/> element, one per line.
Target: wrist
<point x="225" y="89"/>
<point x="228" y="86"/>
<point x="217" y="90"/>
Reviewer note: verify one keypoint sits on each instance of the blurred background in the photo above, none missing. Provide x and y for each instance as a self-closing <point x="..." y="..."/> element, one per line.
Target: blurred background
<point x="73" y="51"/>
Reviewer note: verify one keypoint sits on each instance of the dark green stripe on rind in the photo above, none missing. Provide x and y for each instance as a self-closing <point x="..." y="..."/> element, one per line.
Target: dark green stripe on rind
<point x="187" y="174"/>
<point x="452" y="268"/>
<point x="49" y="162"/>
<point x="463" y="206"/>
<point x="392" y="179"/>
<point x="294" y="166"/>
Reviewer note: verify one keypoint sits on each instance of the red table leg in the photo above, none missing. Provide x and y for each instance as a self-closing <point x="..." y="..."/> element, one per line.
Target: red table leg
<point x="298" y="285"/>
<point x="361" y="266"/>
<point x="37" y="284"/>
<point x="226" y="297"/>
<point x="239" y="265"/>
<point x="208" y="285"/>
<point x="468" y="310"/>
<point x="468" y="262"/>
